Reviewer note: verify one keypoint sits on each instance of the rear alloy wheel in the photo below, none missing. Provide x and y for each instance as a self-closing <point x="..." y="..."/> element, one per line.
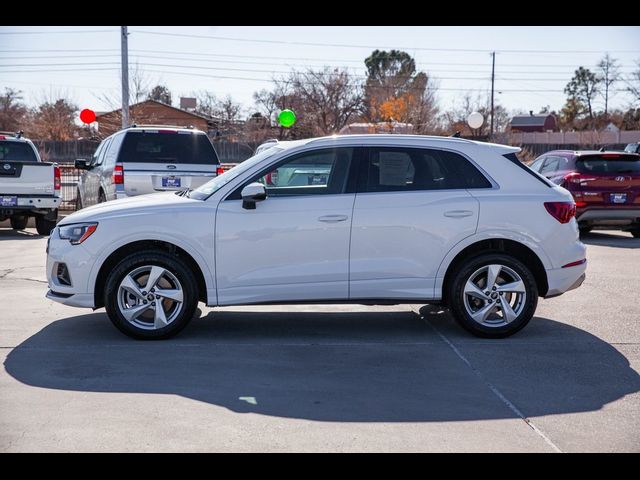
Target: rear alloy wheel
<point x="493" y="295"/>
<point x="19" y="222"/>
<point x="151" y="296"/>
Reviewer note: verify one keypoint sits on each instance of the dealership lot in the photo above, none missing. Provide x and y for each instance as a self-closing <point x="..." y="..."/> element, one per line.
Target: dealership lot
<point x="323" y="378"/>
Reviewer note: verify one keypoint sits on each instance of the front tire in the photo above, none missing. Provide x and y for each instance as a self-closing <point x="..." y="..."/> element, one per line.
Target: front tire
<point x="493" y="295"/>
<point x="44" y="226"/>
<point x="151" y="296"/>
<point x="19" y="222"/>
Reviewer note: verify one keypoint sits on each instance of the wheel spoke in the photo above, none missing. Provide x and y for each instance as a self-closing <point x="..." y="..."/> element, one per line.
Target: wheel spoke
<point x="160" y="318"/>
<point x="482" y="314"/>
<point x="472" y="289"/>
<point x="507" y="311"/>
<point x="131" y="286"/>
<point x="515" y="287"/>
<point x="132" y="313"/>
<point x="171" y="294"/>
<point x="154" y="276"/>
<point x="492" y="275"/>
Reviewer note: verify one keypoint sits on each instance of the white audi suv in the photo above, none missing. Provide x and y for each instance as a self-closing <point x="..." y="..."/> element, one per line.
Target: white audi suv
<point x="363" y="219"/>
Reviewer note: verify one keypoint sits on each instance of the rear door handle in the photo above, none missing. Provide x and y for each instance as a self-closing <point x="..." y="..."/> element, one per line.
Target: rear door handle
<point x="458" y="213"/>
<point x="333" y="218"/>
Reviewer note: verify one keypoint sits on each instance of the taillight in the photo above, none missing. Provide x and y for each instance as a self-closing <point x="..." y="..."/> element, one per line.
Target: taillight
<point x="219" y="171"/>
<point x="57" y="182"/>
<point x="573" y="177"/>
<point x="581" y="204"/>
<point x="561" y="211"/>
<point x="118" y="174"/>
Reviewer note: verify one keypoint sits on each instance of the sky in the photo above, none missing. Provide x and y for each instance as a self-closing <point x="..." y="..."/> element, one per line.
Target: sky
<point x="533" y="64"/>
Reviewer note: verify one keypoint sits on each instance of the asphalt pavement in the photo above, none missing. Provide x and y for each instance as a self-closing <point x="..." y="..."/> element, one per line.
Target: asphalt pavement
<point x="323" y="377"/>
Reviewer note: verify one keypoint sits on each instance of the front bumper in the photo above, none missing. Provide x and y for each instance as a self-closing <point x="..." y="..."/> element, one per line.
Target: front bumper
<point x="79" y="263"/>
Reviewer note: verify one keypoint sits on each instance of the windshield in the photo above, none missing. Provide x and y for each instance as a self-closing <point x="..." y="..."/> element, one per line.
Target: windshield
<point x="17" y="152"/>
<point x="608" y="163"/>
<point x="212" y="186"/>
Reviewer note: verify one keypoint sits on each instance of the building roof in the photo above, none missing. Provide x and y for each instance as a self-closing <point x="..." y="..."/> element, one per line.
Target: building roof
<point x="530" y="120"/>
<point x="194" y="114"/>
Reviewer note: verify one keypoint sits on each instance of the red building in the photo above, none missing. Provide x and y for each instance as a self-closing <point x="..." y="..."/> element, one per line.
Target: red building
<point x="543" y="122"/>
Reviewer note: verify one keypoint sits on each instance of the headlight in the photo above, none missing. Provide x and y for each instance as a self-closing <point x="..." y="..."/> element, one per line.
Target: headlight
<point x="77" y="232"/>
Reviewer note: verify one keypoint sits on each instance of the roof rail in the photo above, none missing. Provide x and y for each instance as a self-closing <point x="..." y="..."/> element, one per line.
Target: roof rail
<point x="134" y="125"/>
<point x="17" y="134"/>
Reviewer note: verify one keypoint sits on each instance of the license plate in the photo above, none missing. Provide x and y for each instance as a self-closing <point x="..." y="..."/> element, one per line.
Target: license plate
<point x="8" y="201"/>
<point x="171" y="182"/>
<point x="618" y="197"/>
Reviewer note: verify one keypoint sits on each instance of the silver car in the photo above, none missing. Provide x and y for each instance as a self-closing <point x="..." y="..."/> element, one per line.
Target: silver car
<point x="146" y="159"/>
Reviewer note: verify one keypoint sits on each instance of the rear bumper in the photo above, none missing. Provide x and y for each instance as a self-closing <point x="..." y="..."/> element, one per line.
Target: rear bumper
<point x="596" y="215"/>
<point x="562" y="280"/>
<point x="31" y="203"/>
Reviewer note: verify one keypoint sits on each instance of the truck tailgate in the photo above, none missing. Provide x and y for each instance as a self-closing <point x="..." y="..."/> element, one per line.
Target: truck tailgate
<point x="26" y="178"/>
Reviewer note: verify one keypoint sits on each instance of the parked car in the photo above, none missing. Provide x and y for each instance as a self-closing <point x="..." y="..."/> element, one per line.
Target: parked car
<point x="605" y="186"/>
<point x="29" y="187"/>
<point x="632" y="148"/>
<point x="399" y="219"/>
<point x="146" y="159"/>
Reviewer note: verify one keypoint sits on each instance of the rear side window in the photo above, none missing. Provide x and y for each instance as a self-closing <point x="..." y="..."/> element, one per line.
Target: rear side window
<point x="176" y="148"/>
<point x="633" y="148"/>
<point x="408" y="169"/>
<point x="17" y="152"/>
<point x="609" y="164"/>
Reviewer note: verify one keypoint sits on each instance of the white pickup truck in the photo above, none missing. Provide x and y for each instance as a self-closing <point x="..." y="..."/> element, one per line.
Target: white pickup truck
<point x="29" y="187"/>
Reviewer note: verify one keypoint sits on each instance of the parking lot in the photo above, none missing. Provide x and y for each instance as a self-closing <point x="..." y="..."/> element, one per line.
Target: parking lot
<point x="323" y="378"/>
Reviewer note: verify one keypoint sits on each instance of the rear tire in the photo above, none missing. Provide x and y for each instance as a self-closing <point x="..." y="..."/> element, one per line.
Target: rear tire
<point x="584" y="230"/>
<point x="480" y="308"/>
<point x="44" y="226"/>
<point x="151" y="314"/>
<point x="19" y="222"/>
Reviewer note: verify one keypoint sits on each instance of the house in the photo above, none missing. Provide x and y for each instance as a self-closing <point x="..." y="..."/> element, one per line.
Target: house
<point x="151" y="112"/>
<point x="543" y="122"/>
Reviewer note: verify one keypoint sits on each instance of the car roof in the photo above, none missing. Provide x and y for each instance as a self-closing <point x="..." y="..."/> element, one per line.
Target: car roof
<point x="158" y="128"/>
<point x="399" y="139"/>
<point x="579" y="153"/>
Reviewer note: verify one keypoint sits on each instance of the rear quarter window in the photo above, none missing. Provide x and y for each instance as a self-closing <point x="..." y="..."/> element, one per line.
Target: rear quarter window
<point x="175" y="148"/>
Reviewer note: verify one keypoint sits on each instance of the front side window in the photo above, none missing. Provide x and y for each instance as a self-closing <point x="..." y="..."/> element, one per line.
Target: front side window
<point x="551" y="164"/>
<point x="391" y="169"/>
<point x="535" y="166"/>
<point x="319" y="172"/>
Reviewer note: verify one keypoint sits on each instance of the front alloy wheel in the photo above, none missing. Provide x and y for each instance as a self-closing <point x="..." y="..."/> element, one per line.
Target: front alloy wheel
<point x="493" y="295"/>
<point x="151" y="295"/>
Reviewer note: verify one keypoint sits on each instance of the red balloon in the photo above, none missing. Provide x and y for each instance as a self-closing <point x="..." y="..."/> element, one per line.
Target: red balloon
<point x="87" y="116"/>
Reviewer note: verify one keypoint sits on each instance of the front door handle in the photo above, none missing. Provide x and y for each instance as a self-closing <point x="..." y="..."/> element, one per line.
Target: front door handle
<point x="333" y="218"/>
<point x="458" y="213"/>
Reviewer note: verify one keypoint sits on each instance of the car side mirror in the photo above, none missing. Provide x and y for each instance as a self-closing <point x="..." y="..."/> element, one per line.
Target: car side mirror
<point x="81" y="164"/>
<point x="252" y="193"/>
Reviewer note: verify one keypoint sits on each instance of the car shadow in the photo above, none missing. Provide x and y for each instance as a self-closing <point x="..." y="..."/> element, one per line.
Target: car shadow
<point x="619" y="240"/>
<point x="331" y="366"/>
<point x="10" y="234"/>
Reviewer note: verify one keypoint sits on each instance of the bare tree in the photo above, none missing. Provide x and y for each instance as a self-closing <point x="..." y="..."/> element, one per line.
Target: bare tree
<point x="12" y="110"/>
<point x="330" y="98"/>
<point x="633" y="84"/>
<point x="54" y="119"/>
<point x="139" y="90"/>
<point x="583" y="87"/>
<point x="610" y="74"/>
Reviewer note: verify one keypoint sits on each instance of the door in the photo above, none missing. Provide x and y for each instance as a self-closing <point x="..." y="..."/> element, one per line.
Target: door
<point x="411" y="208"/>
<point x="295" y="245"/>
<point x="92" y="176"/>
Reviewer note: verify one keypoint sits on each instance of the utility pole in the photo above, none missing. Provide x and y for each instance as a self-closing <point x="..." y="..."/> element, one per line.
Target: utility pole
<point x="493" y="78"/>
<point x="125" y="76"/>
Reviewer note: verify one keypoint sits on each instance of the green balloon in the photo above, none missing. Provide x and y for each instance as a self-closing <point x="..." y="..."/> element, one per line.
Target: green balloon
<point x="287" y="118"/>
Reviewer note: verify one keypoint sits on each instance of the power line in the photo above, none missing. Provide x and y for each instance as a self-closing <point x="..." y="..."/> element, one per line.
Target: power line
<point x="47" y="32"/>
<point x="342" y="45"/>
